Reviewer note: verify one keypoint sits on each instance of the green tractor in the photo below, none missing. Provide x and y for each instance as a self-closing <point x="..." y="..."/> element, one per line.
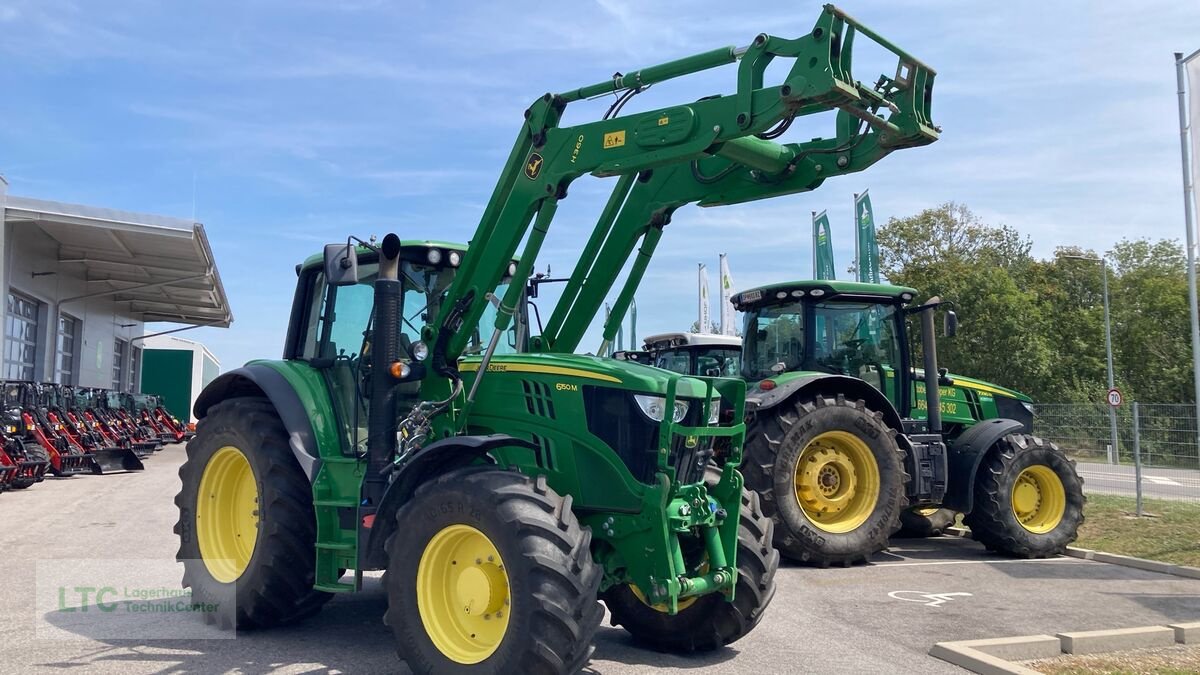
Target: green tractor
<point x="847" y="438"/>
<point x="504" y="485"/>
<point x="964" y="401"/>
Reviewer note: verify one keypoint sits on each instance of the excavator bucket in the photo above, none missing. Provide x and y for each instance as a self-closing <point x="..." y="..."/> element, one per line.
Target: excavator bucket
<point x="110" y="460"/>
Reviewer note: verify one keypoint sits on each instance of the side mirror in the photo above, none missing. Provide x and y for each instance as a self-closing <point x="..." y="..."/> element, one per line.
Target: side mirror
<point x="950" y="324"/>
<point x="341" y="265"/>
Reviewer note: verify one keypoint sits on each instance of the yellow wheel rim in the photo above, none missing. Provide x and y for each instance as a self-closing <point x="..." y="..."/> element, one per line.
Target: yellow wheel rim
<point x="1039" y="499"/>
<point x="227" y="514"/>
<point x="462" y="594"/>
<point x="927" y="512"/>
<point x="837" y="482"/>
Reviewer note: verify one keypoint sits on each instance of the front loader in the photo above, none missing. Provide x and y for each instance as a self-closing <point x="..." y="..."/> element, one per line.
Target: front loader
<point x="30" y="458"/>
<point x="414" y="424"/>
<point x="59" y="409"/>
<point x="25" y="404"/>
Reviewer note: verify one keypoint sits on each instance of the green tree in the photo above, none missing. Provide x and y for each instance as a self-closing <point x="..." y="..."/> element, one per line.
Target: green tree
<point x="1038" y="325"/>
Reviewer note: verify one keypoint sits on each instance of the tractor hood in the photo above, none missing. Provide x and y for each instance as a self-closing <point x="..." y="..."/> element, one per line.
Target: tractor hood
<point x="579" y="369"/>
<point x="981" y="386"/>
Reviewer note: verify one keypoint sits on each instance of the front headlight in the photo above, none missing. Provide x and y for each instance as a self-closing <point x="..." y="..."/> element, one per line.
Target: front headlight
<point x="1029" y="407"/>
<point x="714" y="412"/>
<point x="653" y="407"/>
<point x="420" y="351"/>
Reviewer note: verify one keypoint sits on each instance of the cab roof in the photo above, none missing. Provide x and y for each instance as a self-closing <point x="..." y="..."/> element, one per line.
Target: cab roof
<point x="825" y="290"/>
<point x="668" y="340"/>
<point x="318" y="259"/>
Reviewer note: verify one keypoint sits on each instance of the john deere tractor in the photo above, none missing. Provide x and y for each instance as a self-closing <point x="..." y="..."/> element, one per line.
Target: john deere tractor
<point x="505" y="494"/>
<point x="965" y="401"/>
<point x="845" y="433"/>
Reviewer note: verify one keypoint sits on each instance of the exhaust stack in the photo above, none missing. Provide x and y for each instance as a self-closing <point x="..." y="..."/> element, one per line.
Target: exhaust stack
<point x="933" y="394"/>
<point x="384" y="351"/>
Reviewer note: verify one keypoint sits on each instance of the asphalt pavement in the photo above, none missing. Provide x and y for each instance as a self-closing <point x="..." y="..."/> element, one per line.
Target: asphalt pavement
<point x="876" y="618"/>
<point x="1157" y="482"/>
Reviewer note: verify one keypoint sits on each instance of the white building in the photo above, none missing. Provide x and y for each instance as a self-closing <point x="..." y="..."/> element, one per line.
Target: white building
<point x="82" y="282"/>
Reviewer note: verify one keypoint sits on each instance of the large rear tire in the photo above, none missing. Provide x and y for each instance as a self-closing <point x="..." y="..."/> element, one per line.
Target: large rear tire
<point x="1028" y="499"/>
<point x="830" y="475"/>
<point x="490" y="572"/>
<point x="710" y="622"/>
<point x="918" y="522"/>
<point x="247" y="530"/>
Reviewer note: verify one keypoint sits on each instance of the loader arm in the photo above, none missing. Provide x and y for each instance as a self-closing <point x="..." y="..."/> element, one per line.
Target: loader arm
<point x="640" y="213"/>
<point x="690" y="142"/>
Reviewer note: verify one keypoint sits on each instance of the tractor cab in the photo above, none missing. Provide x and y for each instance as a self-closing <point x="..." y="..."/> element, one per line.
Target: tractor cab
<point x="704" y="354"/>
<point x="832" y="327"/>
<point x="333" y="317"/>
<point x="860" y="330"/>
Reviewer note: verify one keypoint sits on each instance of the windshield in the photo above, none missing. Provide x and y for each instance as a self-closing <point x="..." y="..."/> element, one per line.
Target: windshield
<point x="704" y="361"/>
<point x="858" y="339"/>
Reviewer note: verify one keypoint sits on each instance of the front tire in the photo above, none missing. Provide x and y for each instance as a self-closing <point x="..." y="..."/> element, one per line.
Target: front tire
<point x="831" y="475"/>
<point x="247" y="530"/>
<point x="1028" y="499"/>
<point x="34" y="453"/>
<point x="490" y="572"/>
<point x="710" y="622"/>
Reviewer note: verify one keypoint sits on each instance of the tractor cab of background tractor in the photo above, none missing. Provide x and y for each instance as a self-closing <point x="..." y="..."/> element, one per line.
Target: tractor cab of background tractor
<point x="696" y="353"/>
<point x="832" y="327"/>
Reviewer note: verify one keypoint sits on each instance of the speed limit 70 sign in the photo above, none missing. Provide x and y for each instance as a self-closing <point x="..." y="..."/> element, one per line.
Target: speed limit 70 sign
<point x="1114" y="397"/>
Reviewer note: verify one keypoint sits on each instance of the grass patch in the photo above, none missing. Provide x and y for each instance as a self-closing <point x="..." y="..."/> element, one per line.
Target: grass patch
<point x="1171" y="533"/>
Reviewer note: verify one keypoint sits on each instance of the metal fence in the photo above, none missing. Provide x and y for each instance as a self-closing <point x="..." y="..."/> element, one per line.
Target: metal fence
<point x="1157" y="453"/>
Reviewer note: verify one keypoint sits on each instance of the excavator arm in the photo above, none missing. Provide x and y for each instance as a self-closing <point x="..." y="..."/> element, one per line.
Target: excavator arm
<point x="717" y="150"/>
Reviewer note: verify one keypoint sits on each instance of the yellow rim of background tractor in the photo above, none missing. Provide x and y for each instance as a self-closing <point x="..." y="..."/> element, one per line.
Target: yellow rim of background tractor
<point x="227" y="514"/>
<point x="927" y="512"/>
<point x="462" y="594"/>
<point x="1039" y="500"/>
<point x="837" y="482"/>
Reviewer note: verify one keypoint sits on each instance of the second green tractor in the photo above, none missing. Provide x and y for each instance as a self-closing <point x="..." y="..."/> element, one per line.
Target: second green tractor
<point x="841" y="445"/>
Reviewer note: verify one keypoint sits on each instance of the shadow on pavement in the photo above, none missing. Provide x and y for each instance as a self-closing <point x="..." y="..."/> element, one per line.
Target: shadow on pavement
<point x="1171" y="607"/>
<point x="615" y="644"/>
<point x="348" y="636"/>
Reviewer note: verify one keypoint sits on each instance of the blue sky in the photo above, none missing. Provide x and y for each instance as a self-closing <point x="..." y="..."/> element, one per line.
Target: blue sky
<point x="291" y="123"/>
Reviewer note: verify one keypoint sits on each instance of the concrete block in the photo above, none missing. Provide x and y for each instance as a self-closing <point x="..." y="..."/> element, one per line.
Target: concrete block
<point x="1084" y="553"/>
<point x="1186" y="633"/>
<point x="1096" y="641"/>
<point x="1021" y="648"/>
<point x="976" y="661"/>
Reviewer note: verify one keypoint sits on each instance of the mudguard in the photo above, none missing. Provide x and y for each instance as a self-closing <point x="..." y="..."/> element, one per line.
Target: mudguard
<point x="850" y="387"/>
<point x="261" y="380"/>
<point x="965" y="455"/>
<point x="432" y="460"/>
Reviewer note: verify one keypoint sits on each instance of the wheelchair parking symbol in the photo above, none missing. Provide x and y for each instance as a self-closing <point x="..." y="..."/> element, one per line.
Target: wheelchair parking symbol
<point x="927" y="599"/>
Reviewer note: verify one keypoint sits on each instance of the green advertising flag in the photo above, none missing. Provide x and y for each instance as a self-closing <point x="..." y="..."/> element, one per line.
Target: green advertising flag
<point x="823" y="267"/>
<point x="867" y="248"/>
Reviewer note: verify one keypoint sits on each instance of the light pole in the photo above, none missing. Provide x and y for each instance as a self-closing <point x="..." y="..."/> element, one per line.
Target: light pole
<point x="1108" y="352"/>
<point x="1181" y="63"/>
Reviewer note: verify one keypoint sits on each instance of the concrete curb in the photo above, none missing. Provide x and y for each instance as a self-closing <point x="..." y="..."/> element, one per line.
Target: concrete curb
<point x="1186" y="633"/>
<point x="1111" y="558"/>
<point x="1118" y="640"/>
<point x="996" y="656"/>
